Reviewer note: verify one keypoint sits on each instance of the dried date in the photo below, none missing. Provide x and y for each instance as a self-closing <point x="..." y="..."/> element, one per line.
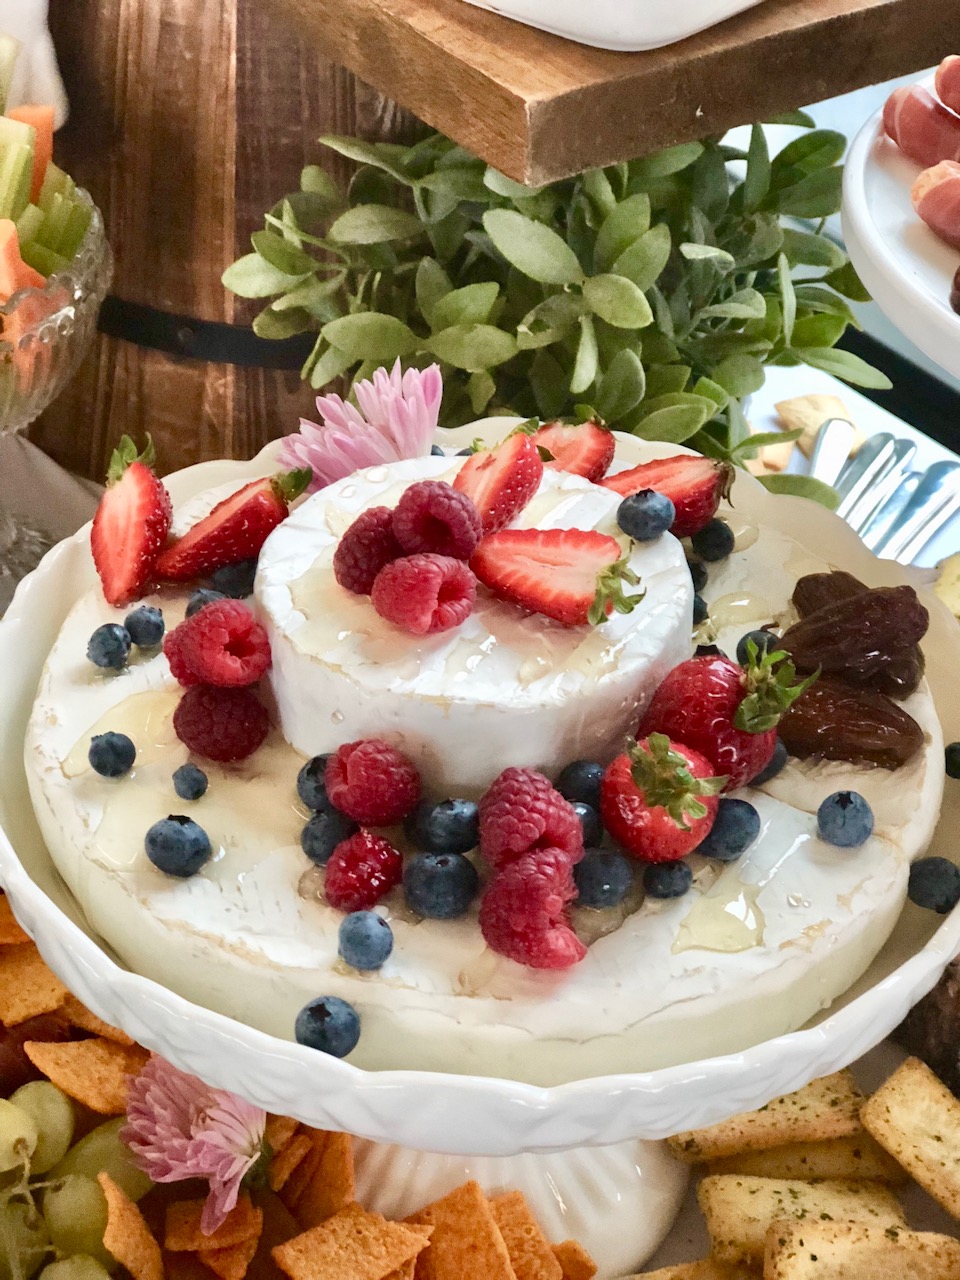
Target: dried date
<point x="860" y="633"/>
<point x="818" y="590"/>
<point x="835" y="721"/>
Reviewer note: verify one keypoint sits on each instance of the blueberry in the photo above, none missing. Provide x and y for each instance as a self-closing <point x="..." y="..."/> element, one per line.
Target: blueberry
<point x="328" y="1024"/>
<point x="590" y="822"/>
<point x="845" y="819"/>
<point x="581" y="780"/>
<point x="145" y="626"/>
<point x="714" y="541"/>
<point x="311" y="787"/>
<point x="453" y="826"/>
<point x="708" y="651"/>
<point x="951" y="756"/>
<point x="734" y="830"/>
<point x="109" y="646"/>
<point x="465" y="453"/>
<point x="646" y="516"/>
<point x="777" y="761"/>
<point x="934" y="883"/>
<point x="436" y="451"/>
<point x="764" y="640"/>
<point x="365" y="940"/>
<point x="111" y="754"/>
<point x="324" y="832"/>
<point x="177" y="845"/>
<point x="602" y="879"/>
<point x="440" y="886"/>
<point x="202" y="596"/>
<point x="667" y="879"/>
<point x="700" y="610"/>
<point x="189" y="782"/>
<point x="698" y="574"/>
<point x="235" y="580"/>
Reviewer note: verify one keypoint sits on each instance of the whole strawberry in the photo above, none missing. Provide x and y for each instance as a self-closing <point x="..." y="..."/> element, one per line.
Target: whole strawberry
<point x="726" y="712"/>
<point x="659" y="800"/>
<point x="131" y="524"/>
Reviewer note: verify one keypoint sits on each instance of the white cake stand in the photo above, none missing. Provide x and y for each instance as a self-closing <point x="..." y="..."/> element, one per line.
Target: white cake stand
<point x="586" y="1153"/>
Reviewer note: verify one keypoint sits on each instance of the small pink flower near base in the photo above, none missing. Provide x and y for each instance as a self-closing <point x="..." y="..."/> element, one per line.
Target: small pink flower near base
<point x="397" y="419"/>
<point x="178" y="1128"/>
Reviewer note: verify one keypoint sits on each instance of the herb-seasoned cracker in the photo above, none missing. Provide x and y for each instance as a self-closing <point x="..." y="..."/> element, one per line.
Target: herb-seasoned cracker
<point x="27" y="987"/>
<point x="126" y="1236"/>
<point x="575" y="1262"/>
<point x="93" y="1072"/>
<point x="530" y="1254"/>
<point x="286" y="1160"/>
<point x="183" y="1232"/>
<point x="232" y="1262"/>
<point x="739" y="1210"/>
<point x="837" y="1250"/>
<point x="330" y="1186"/>
<point x="859" y="1158"/>
<point x="78" y="1015"/>
<point x="11" y="935"/>
<point x="466" y="1243"/>
<point x="352" y="1245"/>
<point x="917" y="1119"/>
<point x="704" y="1269"/>
<point x="826" y="1108"/>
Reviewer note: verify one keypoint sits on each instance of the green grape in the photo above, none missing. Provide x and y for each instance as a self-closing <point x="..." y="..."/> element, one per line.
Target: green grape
<point x="101" y="1151"/>
<point x="52" y="1112"/>
<point x="18" y="1136"/>
<point x="24" y="1243"/>
<point x="75" y="1210"/>
<point x="79" y="1267"/>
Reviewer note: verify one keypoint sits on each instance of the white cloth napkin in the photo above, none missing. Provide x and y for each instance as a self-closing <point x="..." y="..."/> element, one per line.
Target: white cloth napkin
<point x="36" y="78"/>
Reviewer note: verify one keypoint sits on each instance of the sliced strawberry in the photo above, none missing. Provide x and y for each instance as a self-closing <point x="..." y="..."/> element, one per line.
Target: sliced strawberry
<point x="131" y="524"/>
<point x="693" y="484"/>
<point x="582" y="448"/>
<point x="571" y="575"/>
<point x="235" y="529"/>
<point x="501" y="481"/>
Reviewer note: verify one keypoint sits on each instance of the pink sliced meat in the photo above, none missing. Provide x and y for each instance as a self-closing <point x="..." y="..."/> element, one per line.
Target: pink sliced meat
<point x="936" y="198"/>
<point x="921" y="126"/>
<point x="948" y="82"/>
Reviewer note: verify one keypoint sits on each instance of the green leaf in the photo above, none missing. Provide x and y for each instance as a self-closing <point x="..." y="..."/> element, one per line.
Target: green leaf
<point x="550" y="383"/>
<point x="330" y="365"/>
<point x="745" y="304"/>
<point x="387" y="156"/>
<point x="618" y="301"/>
<point x="712" y="391"/>
<point x="621" y="387"/>
<point x="282" y="255"/>
<point x="480" y="388"/>
<point x="802" y="487"/>
<point x="820" y="149"/>
<point x="709" y="253"/>
<point x="666" y="379"/>
<point x="501" y="185"/>
<point x="739" y="375"/>
<point x="371" y="335"/>
<point x="820" y="330"/>
<point x="815" y="196"/>
<point x="812" y="297"/>
<point x="473" y="347"/>
<point x="811" y="250"/>
<point x="311" y="292"/>
<point x="319" y="183"/>
<point x="549" y="321"/>
<point x="470" y="305"/>
<point x="846" y="281"/>
<point x="625" y="224"/>
<point x="532" y="248"/>
<point x="599" y="192"/>
<point x="585" y="365"/>
<point x="788" y="299"/>
<point x="673" y="424"/>
<point x="799" y="118"/>
<point x="458" y="184"/>
<point x="281" y="324"/>
<point x="710" y="183"/>
<point x="373" y="224"/>
<point x="756" y="184"/>
<point x="664" y="163"/>
<point x="432" y="284"/>
<point x="644" y="260"/>
<point x="845" y="365"/>
<point x="752" y="445"/>
<point x="252" y="277"/>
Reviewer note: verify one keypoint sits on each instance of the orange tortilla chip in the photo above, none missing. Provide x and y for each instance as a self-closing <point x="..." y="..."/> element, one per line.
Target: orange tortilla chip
<point x="530" y="1254"/>
<point x="331" y="1186"/>
<point x="279" y="1130"/>
<point x="407" y="1272"/>
<point x="286" y="1160"/>
<point x="183" y="1234"/>
<point x="127" y="1235"/>
<point x="78" y="1015"/>
<point x="11" y="935"/>
<point x="93" y="1072"/>
<point x="352" y="1245"/>
<point x="230" y="1263"/>
<point x="466" y="1243"/>
<point x="574" y="1260"/>
<point x="27" y="987"/>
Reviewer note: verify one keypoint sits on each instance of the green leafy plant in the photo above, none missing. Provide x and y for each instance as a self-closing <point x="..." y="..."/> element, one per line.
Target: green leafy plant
<point x="654" y="291"/>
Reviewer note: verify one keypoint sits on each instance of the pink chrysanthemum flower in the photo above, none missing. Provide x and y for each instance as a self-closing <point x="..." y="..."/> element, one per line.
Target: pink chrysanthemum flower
<point x="177" y="1128"/>
<point x="397" y="419"/>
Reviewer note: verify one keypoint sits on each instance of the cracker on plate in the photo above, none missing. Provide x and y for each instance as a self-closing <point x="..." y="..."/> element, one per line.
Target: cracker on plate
<point x="127" y="1236"/>
<point x="94" y="1072"/>
<point x="530" y="1254"/>
<point x="838" y="1250"/>
<point x="858" y="1158"/>
<point x="466" y="1243"/>
<point x="351" y="1245"/>
<point x="575" y="1262"/>
<point x="184" y="1234"/>
<point x="27" y="987"/>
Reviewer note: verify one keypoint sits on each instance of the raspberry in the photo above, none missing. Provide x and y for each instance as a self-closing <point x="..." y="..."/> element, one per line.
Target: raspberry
<point x="424" y="594"/>
<point x="372" y="782"/>
<point x="364" y="549"/>
<point x="221" y="644"/>
<point x="221" y="724"/>
<point x="521" y="812"/>
<point x="360" y="871"/>
<point x="523" y="912"/>
<point x="434" y="516"/>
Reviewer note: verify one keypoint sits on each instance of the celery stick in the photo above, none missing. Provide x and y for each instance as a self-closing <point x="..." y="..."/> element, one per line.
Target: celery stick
<point x="76" y="228"/>
<point x="9" y="48"/>
<point x="16" y="168"/>
<point x="42" y="259"/>
<point x="55" y="222"/>
<point x="16" y="133"/>
<point x="29" y="223"/>
<point x="55" y="182"/>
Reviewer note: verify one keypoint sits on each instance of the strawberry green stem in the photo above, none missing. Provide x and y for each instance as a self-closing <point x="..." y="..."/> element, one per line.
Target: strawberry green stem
<point x="770" y="682"/>
<point x="664" y="778"/>
<point x="609" y="597"/>
<point x="126" y="453"/>
<point x="288" y="485"/>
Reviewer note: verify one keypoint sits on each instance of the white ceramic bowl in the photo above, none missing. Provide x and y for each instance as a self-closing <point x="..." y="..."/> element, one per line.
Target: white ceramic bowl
<point x="431" y="1111"/>
<point x="904" y="265"/>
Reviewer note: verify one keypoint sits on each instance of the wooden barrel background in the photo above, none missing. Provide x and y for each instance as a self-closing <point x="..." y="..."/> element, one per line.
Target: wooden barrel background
<point x="189" y="118"/>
